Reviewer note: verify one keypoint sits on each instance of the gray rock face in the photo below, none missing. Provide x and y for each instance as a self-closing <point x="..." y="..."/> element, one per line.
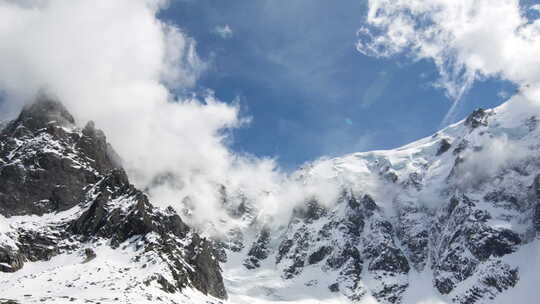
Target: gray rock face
<point x="49" y="165"/>
<point x="477" y="118"/>
<point x="353" y="240"/>
<point x="140" y="218"/>
<point x="10" y="260"/>
<point x="458" y="229"/>
<point x="259" y="250"/>
<point x="45" y="163"/>
<point x="443" y="147"/>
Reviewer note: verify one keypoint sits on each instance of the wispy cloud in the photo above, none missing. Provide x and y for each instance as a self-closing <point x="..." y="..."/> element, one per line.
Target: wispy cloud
<point x="503" y="94"/>
<point x="224" y="31"/>
<point x="466" y="40"/>
<point x="376" y="89"/>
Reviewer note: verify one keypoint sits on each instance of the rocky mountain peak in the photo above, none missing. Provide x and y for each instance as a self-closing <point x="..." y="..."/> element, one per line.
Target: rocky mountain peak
<point x="477" y="118"/>
<point x="81" y="203"/>
<point x="43" y="111"/>
<point x="46" y="161"/>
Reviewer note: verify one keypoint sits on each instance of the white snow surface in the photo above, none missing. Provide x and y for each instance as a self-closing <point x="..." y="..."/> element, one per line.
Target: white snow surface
<point x="112" y="277"/>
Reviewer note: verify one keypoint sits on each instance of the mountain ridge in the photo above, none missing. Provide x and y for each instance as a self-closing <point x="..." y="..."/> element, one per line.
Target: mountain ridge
<point x="457" y="205"/>
<point x="442" y="219"/>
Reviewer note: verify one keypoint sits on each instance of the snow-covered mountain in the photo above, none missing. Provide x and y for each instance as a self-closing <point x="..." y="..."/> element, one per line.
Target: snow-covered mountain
<point x="446" y="219"/>
<point x="452" y="218"/>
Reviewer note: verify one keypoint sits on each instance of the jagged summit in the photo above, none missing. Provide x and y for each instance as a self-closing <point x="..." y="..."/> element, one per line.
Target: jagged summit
<point x="65" y="200"/>
<point x="46" y="160"/>
<point x="44" y="111"/>
<point x="477" y="118"/>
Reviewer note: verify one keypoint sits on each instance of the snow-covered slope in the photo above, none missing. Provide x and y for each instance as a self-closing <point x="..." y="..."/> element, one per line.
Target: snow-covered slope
<point x="443" y="219"/>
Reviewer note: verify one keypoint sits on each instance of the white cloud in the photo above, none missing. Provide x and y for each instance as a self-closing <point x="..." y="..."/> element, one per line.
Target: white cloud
<point x="224" y="31"/>
<point x="116" y="63"/>
<point x="467" y="40"/>
<point x="496" y="153"/>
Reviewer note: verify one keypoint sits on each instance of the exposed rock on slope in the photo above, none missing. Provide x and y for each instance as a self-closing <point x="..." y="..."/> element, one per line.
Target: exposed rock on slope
<point x="454" y="207"/>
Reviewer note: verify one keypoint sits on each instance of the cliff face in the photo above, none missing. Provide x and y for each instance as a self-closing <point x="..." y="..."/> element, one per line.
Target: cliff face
<point x="65" y="195"/>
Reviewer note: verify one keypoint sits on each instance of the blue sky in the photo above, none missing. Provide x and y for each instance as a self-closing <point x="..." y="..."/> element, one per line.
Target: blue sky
<point x="295" y="71"/>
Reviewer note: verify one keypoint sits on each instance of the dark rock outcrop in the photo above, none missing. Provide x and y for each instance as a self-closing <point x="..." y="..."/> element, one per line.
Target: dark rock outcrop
<point x="477" y="118"/>
<point x="10" y="259"/>
<point x="139" y="218"/>
<point x="443" y="146"/>
<point x="259" y="250"/>
<point x="349" y="240"/>
<point x="457" y="230"/>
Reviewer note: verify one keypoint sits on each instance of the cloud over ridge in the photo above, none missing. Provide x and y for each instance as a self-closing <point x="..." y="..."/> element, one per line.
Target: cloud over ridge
<point x="117" y="63"/>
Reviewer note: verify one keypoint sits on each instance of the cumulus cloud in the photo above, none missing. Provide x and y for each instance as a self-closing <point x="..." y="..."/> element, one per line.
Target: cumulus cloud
<point x="224" y="31"/>
<point x="116" y="63"/>
<point x="467" y="40"/>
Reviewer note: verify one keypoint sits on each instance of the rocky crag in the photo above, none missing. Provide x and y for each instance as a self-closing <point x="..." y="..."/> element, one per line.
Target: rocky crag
<point x="65" y="195"/>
